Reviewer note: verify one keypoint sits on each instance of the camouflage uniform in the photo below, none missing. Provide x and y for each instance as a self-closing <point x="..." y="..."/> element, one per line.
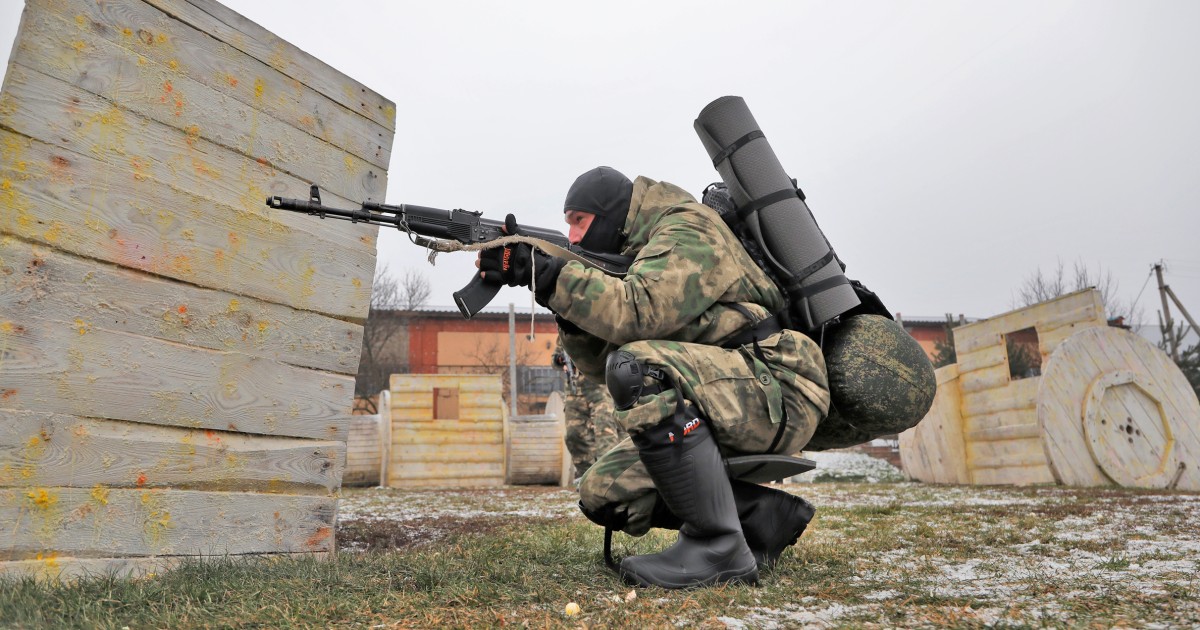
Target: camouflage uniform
<point x="591" y="422"/>
<point x="672" y="310"/>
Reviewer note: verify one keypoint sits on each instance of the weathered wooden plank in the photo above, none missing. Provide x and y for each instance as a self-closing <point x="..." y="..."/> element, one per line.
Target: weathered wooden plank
<point x="1007" y="432"/>
<point x="53" y="567"/>
<point x="1020" y="394"/>
<point x="40" y="282"/>
<point x="66" y="201"/>
<point x="58" y="49"/>
<point x="103" y="522"/>
<point x="453" y="427"/>
<point x="226" y="25"/>
<point x="48" y="450"/>
<point x="445" y="474"/>
<point x="1004" y="419"/>
<point x="407" y="435"/>
<point x="934" y="450"/>
<point x="983" y="358"/>
<point x="1080" y="306"/>
<point x="178" y="49"/>
<point x="1013" y="476"/>
<point x="136" y="149"/>
<point x="80" y="368"/>
<point x="985" y="379"/>
<point x="447" y="453"/>
<point x="1005" y="453"/>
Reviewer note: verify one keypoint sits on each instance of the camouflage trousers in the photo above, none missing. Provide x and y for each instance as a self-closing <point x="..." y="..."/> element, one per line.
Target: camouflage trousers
<point x="592" y="427"/>
<point x="742" y="398"/>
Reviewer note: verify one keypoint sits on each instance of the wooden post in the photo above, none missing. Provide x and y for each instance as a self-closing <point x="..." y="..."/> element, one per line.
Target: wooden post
<point x="1186" y="314"/>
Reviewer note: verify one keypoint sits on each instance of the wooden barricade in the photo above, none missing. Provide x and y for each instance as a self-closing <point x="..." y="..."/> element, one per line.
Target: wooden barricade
<point x="176" y="360"/>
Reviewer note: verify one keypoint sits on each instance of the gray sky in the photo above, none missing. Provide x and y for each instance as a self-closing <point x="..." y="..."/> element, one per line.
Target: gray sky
<point x="948" y="149"/>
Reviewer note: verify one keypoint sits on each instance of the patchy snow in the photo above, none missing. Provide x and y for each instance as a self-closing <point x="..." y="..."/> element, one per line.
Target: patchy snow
<point x="847" y="466"/>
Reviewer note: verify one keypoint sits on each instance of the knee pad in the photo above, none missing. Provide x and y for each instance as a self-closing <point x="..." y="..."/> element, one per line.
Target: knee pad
<point x="625" y="376"/>
<point x="607" y="516"/>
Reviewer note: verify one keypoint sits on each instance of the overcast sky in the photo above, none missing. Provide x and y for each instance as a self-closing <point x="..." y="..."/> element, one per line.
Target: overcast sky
<point x="948" y="149"/>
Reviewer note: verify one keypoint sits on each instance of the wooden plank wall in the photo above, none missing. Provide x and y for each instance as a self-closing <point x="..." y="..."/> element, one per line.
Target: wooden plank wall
<point x="535" y="449"/>
<point x="176" y="360"/>
<point x="363" y="451"/>
<point x="466" y="451"/>
<point x="1003" y="441"/>
<point x="934" y="450"/>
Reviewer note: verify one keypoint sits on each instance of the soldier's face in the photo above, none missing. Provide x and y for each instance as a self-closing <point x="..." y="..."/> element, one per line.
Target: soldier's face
<point x="579" y="223"/>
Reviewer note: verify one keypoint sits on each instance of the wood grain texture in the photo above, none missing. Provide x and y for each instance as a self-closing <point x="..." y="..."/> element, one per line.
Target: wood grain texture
<point x="534" y="451"/>
<point x="37" y="281"/>
<point x="1116" y="409"/>
<point x="47" y="109"/>
<point x="176" y="48"/>
<point x="228" y="26"/>
<point x="99" y="523"/>
<point x="465" y="451"/>
<point x="67" y="201"/>
<point x="1074" y="308"/>
<point x="79" y="368"/>
<point x="934" y="450"/>
<point x="39" y="449"/>
<point x="65" y="52"/>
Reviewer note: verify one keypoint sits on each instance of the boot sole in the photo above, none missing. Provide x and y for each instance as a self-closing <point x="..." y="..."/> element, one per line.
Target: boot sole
<point x="732" y="576"/>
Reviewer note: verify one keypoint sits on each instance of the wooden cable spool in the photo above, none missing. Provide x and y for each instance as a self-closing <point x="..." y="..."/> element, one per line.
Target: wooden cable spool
<point x="1115" y="409"/>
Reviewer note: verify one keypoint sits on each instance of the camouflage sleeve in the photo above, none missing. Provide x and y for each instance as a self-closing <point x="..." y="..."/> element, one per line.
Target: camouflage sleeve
<point x="675" y="278"/>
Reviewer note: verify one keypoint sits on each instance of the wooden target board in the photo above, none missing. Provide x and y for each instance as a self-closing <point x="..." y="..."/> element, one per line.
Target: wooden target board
<point x="1115" y="409"/>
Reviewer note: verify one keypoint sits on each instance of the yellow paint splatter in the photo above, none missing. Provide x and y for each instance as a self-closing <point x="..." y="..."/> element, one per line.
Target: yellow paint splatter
<point x="83" y="327"/>
<point x="41" y="498"/>
<point x="262" y="327"/>
<point x="127" y="32"/>
<point x="78" y="45"/>
<point x="189" y="234"/>
<point x="259" y="88"/>
<point x="349" y="163"/>
<point x="161" y="38"/>
<point x="51" y="559"/>
<point x="5" y="184"/>
<point x="80" y="20"/>
<point x="356" y="282"/>
<point x="142" y="60"/>
<point x="6" y="327"/>
<point x="100" y="494"/>
<point x="33" y="442"/>
<point x="234" y="305"/>
<point x="172" y="64"/>
<point x="55" y="232"/>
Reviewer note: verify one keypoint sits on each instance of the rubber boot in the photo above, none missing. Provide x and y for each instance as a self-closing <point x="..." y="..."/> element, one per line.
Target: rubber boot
<point x="772" y="520"/>
<point x="685" y="464"/>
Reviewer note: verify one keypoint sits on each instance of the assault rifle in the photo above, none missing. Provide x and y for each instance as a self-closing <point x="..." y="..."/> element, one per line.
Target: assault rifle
<point x="426" y="226"/>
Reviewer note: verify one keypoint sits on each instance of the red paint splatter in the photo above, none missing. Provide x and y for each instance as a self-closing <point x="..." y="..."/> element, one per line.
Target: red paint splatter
<point x="318" y="538"/>
<point x="168" y="87"/>
<point x="7" y="394"/>
<point x="212" y="435"/>
<point x="141" y="480"/>
<point x="60" y="161"/>
<point x="182" y="309"/>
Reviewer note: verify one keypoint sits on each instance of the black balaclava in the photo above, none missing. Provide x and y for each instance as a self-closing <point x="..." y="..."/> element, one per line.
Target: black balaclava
<point x="606" y="193"/>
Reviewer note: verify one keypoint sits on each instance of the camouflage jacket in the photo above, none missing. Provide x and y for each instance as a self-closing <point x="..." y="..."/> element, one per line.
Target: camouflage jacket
<point x="688" y="268"/>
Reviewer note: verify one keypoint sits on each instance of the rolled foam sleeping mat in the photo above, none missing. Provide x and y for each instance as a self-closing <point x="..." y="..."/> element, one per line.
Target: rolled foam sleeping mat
<point x="786" y="227"/>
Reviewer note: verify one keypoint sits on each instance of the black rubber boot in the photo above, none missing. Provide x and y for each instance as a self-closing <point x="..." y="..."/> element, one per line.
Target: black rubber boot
<point x="683" y="460"/>
<point x="772" y="520"/>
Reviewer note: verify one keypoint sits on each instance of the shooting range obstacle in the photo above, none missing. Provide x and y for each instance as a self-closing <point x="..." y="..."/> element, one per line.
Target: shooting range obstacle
<point x="1108" y="408"/>
<point x="175" y="361"/>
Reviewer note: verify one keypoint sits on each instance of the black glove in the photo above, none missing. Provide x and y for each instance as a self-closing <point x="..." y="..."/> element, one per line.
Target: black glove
<point x="514" y="265"/>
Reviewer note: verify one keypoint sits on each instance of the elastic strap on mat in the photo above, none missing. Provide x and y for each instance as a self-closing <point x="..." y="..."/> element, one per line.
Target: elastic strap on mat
<point x="762" y="202"/>
<point x="737" y="144"/>
<point x="796" y="291"/>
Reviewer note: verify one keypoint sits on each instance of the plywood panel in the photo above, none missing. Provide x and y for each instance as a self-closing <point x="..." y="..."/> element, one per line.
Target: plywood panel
<point x="102" y="522"/>
<point x="983" y="358"/>
<point x="61" y="50"/>
<point x="40" y="282"/>
<point x="1018" y="395"/>
<point x="254" y="40"/>
<point x="174" y="48"/>
<point x="80" y="368"/>
<point x="65" y="201"/>
<point x="48" y="450"/>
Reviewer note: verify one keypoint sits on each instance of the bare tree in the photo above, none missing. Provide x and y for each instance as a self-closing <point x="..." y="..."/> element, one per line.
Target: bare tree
<point x="393" y="299"/>
<point x="1039" y="287"/>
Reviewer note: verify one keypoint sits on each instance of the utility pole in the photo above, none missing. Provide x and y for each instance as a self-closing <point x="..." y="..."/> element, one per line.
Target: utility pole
<point x="1168" y="326"/>
<point x="512" y="358"/>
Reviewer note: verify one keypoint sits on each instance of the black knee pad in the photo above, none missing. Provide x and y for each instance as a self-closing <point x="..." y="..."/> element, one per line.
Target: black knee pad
<point x="606" y="516"/>
<point x="625" y="376"/>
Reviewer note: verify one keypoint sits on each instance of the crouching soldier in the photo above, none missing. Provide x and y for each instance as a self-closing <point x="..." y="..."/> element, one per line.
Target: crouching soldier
<point x="590" y="421"/>
<point x="697" y="367"/>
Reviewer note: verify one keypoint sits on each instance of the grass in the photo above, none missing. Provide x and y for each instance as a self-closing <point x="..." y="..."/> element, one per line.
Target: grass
<point x="887" y="555"/>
